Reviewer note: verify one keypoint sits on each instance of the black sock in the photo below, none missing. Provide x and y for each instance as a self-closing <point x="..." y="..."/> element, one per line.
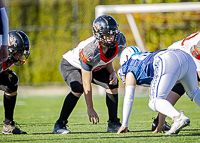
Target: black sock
<point x="157" y="118"/>
<point x="68" y="106"/>
<point x="112" y="104"/>
<point x="9" y="106"/>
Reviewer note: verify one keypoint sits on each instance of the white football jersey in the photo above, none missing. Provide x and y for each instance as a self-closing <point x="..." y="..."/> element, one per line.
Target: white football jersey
<point x="89" y="52"/>
<point x="186" y="44"/>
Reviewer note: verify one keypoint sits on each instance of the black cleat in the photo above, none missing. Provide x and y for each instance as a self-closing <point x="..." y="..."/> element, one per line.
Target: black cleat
<point x="113" y="126"/>
<point x="11" y="129"/>
<point x="61" y="128"/>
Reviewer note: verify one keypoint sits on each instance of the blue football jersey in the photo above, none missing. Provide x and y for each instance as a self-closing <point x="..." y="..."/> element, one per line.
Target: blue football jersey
<point x="141" y="65"/>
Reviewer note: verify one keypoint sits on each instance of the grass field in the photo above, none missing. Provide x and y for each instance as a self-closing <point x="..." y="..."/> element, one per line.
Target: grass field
<point x="37" y="115"/>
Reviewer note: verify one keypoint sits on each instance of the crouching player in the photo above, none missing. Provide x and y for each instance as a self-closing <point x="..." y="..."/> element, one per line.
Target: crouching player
<point x="191" y="45"/>
<point x="19" y="50"/>
<point x="166" y="67"/>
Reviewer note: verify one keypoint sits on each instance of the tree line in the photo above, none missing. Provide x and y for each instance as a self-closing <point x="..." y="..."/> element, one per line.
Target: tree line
<point x="54" y="27"/>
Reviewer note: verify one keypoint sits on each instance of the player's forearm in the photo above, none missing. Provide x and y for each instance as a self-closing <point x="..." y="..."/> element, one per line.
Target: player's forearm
<point x="88" y="99"/>
<point x="88" y="94"/>
<point x="128" y="103"/>
<point x="1" y="4"/>
<point x="5" y="23"/>
<point x="110" y="68"/>
<point x="86" y="79"/>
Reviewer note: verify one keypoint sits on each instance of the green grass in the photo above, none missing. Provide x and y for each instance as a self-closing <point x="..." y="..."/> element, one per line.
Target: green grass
<point x="37" y="115"/>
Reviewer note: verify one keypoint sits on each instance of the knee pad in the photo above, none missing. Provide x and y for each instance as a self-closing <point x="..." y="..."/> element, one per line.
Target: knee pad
<point x="9" y="82"/>
<point x="77" y="87"/>
<point x="12" y="77"/>
<point x="179" y="89"/>
<point x="13" y="82"/>
<point x="11" y="89"/>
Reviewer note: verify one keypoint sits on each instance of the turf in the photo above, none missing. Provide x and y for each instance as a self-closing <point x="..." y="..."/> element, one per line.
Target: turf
<point x="37" y="115"/>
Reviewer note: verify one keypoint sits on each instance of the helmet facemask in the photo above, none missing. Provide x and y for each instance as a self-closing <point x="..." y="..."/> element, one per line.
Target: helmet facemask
<point x="105" y="30"/>
<point x="19" y="47"/>
<point x="19" y="57"/>
<point x="109" y="38"/>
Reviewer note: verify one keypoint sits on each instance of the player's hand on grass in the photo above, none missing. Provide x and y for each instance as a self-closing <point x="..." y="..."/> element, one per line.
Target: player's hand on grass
<point x="122" y="130"/>
<point x="93" y="116"/>
<point x="113" y="78"/>
<point x="159" y="129"/>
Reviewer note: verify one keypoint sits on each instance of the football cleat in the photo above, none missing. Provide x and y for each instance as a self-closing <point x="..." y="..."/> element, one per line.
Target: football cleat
<point x="61" y="128"/>
<point x="113" y="126"/>
<point x="180" y="122"/>
<point x="155" y="124"/>
<point x="11" y="129"/>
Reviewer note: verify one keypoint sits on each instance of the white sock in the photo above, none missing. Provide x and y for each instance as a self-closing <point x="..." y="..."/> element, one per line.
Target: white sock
<point x="165" y="107"/>
<point x="128" y="104"/>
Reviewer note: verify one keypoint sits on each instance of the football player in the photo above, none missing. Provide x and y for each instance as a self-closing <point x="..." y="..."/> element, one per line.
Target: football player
<point x="4" y="29"/>
<point x="19" y="50"/>
<point x="91" y="62"/>
<point x="166" y="67"/>
<point x="190" y="45"/>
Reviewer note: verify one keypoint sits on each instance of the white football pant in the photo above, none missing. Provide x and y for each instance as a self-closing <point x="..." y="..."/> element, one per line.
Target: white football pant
<point x="169" y="67"/>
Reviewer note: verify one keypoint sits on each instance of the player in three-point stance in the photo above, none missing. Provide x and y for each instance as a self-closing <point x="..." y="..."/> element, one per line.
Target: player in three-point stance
<point x="19" y="50"/>
<point x="166" y="67"/>
<point x="190" y="45"/>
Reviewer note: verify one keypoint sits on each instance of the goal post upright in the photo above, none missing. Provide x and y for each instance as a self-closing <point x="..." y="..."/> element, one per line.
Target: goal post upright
<point x="144" y="8"/>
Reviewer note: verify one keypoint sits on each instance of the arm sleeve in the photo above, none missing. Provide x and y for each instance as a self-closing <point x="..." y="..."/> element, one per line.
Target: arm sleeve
<point x="5" y="26"/>
<point x="128" y="104"/>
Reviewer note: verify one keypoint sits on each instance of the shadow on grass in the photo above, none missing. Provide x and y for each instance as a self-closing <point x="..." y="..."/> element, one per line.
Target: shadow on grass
<point x="120" y="136"/>
<point x="91" y="132"/>
<point x="57" y="137"/>
<point x="191" y="130"/>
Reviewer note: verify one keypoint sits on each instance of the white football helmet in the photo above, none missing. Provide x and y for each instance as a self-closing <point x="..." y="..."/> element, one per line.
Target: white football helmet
<point x="127" y="53"/>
